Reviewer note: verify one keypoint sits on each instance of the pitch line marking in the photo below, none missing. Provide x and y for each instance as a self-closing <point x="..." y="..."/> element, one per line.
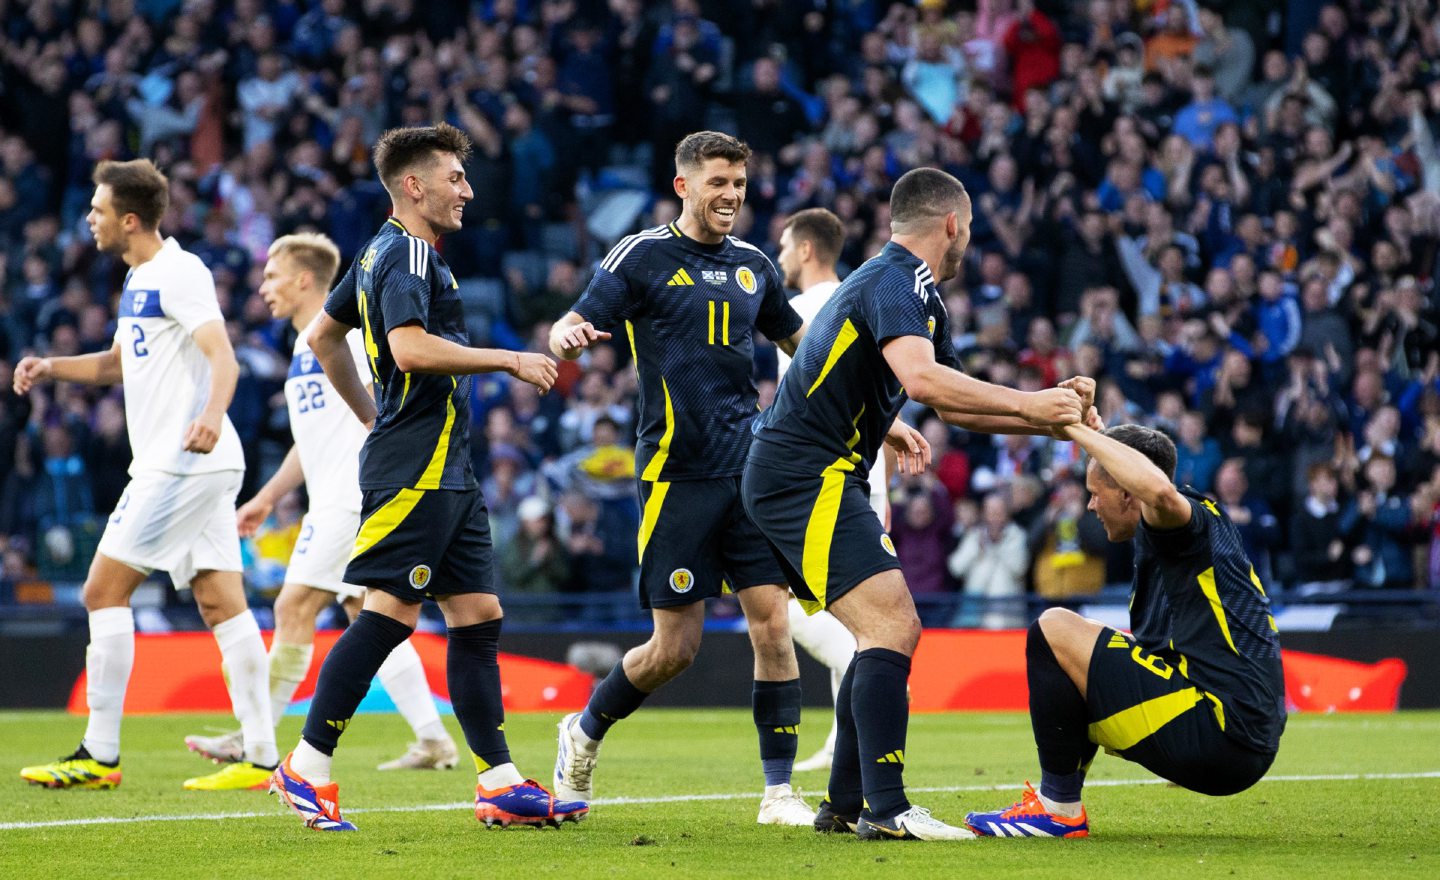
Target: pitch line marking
<point x="668" y="799"/>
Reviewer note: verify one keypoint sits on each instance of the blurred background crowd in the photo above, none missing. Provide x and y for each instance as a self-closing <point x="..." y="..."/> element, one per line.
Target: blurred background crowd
<point x="1226" y="211"/>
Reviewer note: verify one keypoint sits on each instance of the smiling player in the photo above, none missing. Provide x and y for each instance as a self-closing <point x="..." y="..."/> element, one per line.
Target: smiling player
<point x="325" y="459"/>
<point x="691" y="296"/>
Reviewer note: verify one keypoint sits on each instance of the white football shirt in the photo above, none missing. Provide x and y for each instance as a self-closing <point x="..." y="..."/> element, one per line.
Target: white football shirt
<point x="327" y="434"/>
<point x="808" y="304"/>
<point x="166" y="376"/>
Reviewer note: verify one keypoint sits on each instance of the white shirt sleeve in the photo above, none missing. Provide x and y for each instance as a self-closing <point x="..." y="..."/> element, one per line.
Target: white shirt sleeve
<point x="189" y="298"/>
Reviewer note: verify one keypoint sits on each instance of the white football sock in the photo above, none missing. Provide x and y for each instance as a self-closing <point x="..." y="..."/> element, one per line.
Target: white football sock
<point x="403" y="675"/>
<point x="248" y="671"/>
<point x="501" y="776"/>
<point x="288" y="667"/>
<point x="823" y="637"/>
<point x="310" y="764"/>
<point x="1067" y="810"/>
<point x="108" y="661"/>
<point x="836" y="675"/>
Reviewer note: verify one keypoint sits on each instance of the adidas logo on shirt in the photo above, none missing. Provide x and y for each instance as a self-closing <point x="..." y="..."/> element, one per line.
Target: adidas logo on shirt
<point x="681" y="278"/>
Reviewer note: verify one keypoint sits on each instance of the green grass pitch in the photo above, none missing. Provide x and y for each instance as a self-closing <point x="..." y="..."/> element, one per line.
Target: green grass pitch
<point x="1349" y="796"/>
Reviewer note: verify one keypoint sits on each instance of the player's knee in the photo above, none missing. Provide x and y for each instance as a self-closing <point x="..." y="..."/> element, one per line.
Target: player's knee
<point x="96" y="595"/>
<point x="1053" y="623"/>
<point x="291" y="613"/>
<point x="674" y="656"/>
<point x="1037" y="646"/>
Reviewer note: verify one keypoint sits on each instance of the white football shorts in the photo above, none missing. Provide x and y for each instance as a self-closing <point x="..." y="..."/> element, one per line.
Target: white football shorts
<point x="178" y="524"/>
<point x="327" y="538"/>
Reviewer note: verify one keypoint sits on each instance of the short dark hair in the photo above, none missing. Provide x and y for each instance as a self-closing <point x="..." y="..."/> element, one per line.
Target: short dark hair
<point x="696" y="149"/>
<point x="822" y="229"/>
<point x="136" y="187"/>
<point x="1153" y="444"/>
<point x="401" y="149"/>
<point x="925" y="194"/>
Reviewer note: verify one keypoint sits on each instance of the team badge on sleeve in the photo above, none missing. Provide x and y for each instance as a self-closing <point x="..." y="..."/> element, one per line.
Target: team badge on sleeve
<point x="888" y="544"/>
<point x="681" y="580"/>
<point x="746" y="279"/>
<point x="420" y="576"/>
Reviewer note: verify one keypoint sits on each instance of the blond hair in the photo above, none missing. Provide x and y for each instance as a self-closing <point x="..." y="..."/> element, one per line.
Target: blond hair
<point x="312" y="252"/>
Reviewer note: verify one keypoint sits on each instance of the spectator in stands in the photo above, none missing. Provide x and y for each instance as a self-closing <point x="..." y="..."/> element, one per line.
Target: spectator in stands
<point x="1198" y="454"/>
<point x="1069" y="546"/>
<point x="991" y="562"/>
<point x="1382" y="518"/>
<point x="1259" y="529"/>
<point x="534" y="561"/>
<point x="920" y="524"/>
<point x="1321" y="550"/>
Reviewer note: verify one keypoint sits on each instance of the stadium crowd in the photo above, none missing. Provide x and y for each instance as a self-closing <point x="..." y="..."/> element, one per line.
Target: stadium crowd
<point x="1227" y="212"/>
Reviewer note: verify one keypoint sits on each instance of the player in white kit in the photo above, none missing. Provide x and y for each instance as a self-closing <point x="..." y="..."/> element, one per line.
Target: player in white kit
<point x="177" y="514"/>
<point x="809" y="246"/>
<point x="326" y="459"/>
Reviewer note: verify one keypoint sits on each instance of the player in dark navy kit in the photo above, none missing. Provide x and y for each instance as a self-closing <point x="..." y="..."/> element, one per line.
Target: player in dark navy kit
<point x="424" y="530"/>
<point x="690" y="297"/>
<point x="1196" y="693"/>
<point x="882" y="337"/>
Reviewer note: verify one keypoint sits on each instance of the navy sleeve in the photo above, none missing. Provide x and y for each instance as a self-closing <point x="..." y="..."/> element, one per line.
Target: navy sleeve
<point x="945" y="354"/>
<point x="896" y="306"/>
<point x="341" y="304"/>
<point x="777" y="319"/>
<point x="403" y="287"/>
<point x="609" y="299"/>
<point x="1187" y="539"/>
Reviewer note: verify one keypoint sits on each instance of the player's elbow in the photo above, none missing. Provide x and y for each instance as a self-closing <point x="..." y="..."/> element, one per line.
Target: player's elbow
<point x="408" y="360"/>
<point x="921" y="387"/>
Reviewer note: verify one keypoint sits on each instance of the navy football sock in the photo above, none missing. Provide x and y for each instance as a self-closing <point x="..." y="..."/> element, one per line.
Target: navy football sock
<point x="882" y="717"/>
<point x="845" y="790"/>
<point x="614" y="698"/>
<point x="472" y="665"/>
<point x="346" y="675"/>
<point x="776" y="707"/>
<point x="1058" y="717"/>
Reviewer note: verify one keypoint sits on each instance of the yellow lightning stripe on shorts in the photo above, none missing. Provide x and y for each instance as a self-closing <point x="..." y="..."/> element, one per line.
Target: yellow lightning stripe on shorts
<point x="385" y="520"/>
<point x="820" y="532"/>
<point x="1128" y="727"/>
<point x="658" y="491"/>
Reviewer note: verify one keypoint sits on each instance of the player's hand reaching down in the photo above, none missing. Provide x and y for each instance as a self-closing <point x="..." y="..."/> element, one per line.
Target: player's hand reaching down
<point x="911" y="449"/>
<point x="30" y="372"/>
<point x="536" y="369"/>
<point x="202" y="435"/>
<point x="252" y="515"/>
<point x="1053" y="407"/>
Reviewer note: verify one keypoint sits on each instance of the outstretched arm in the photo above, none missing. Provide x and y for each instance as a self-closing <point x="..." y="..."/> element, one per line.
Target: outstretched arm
<point x="912" y="358"/>
<point x="100" y="368"/>
<point x="417" y="351"/>
<point x="1161" y="504"/>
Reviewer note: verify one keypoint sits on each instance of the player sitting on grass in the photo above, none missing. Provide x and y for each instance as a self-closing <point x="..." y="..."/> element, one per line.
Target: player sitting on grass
<point x="1196" y="694"/>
